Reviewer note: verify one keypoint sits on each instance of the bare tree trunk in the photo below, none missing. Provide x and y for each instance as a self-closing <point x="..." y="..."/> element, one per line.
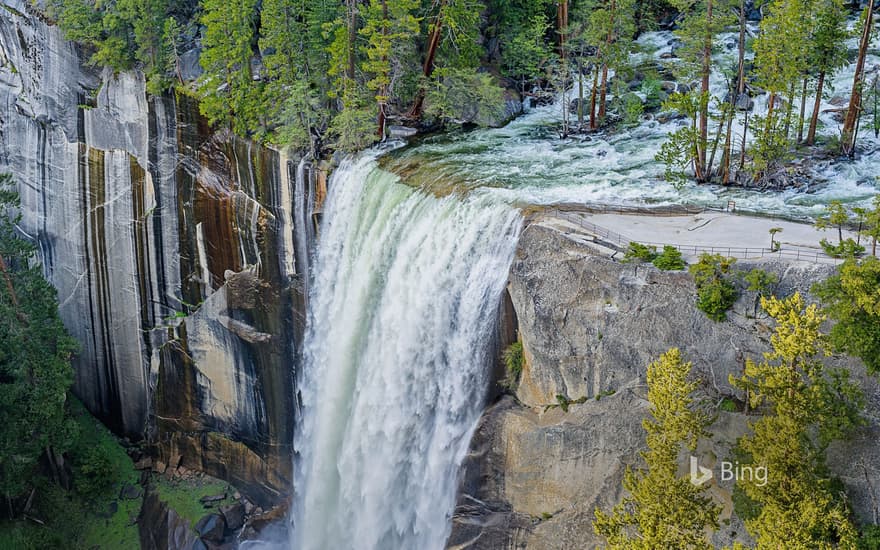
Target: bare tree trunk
<point x="603" y="89"/>
<point x="848" y="136"/>
<point x="800" y="135"/>
<point x="789" y="111"/>
<point x="593" y="124"/>
<point x="704" y="86"/>
<point x="740" y="90"/>
<point x="728" y="149"/>
<point x="814" y="120"/>
<point x="698" y="166"/>
<point x="742" y="153"/>
<point x="562" y="23"/>
<point x="770" y="108"/>
<point x="715" y="143"/>
<point x="383" y="92"/>
<point x="741" y="76"/>
<point x="580" y="96"/>
<point x="428" y="68"/>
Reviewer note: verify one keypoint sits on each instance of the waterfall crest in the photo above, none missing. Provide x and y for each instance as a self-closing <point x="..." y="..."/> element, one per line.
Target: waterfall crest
<point x="401" y="315"/>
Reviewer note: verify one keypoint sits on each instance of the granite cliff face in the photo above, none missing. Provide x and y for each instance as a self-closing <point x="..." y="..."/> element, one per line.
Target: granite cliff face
<point x="173" y="250"/>
<point x="589" y="326"/>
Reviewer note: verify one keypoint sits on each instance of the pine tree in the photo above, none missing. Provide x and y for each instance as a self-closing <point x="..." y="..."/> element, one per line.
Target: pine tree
<point x="854" y="111"/>
<point x="452" y="36"/>
<point x="294" y="56"/>
<point x="827" y="51"/>
<point x="806" y="405"/>
<point x="229" y="94"/>
<point x="703" y="20"/>
<point x="608" y="27"/>
<point x="389" y="23"/>
<point x="782" y="52"/>
<point x="663" y="510"/>
<point x="836" y="216"/>
<point x="852" y="298"/>
<point x="872" y="225"/>
<point x="35" y="351"/>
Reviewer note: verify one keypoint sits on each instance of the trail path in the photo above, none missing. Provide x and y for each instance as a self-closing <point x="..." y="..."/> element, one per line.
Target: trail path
<point x="725" y="233"/>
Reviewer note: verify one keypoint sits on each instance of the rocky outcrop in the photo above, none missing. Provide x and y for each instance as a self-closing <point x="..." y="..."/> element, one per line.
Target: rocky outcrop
<point x="589" y="327"/>
<point x="173" y="250"/>
<point x="163" y="529"/>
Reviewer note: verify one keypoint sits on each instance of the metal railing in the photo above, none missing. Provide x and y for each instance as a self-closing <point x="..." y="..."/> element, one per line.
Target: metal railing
<point x="672" y="210"/>
<point x="621" y="242"/>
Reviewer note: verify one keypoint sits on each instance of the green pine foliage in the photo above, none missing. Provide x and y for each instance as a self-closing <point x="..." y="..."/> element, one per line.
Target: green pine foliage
<point x="806" y="406"/>
<point x="669" y="260"/>
<point x="637" y="252"/>
<point x="852" y="299"/>
<point x="229" y="96"/>
<point x="661" y="509"/>
<point x="35" y="351"/>
<point x="716" y="291"/>
<point x="463" y="96"/>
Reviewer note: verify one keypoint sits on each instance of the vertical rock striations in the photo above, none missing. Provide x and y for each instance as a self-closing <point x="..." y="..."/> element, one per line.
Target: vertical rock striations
<point x="176" y="253"/>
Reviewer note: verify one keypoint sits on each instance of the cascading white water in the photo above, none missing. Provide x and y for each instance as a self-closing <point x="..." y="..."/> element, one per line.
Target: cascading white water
<point x="303" y="205"/>
<point x="403" y="309"/>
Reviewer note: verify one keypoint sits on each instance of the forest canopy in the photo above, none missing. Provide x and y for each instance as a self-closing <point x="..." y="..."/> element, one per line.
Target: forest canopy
<point x="319" y="75"/>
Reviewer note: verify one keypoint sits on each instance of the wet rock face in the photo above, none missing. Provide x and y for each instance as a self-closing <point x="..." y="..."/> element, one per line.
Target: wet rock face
<point x="172" y="249"/>
<point x="589" y="327"/>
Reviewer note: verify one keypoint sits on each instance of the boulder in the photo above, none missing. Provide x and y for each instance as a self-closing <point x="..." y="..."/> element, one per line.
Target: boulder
<point x="234" y="515"/>
<point x="400" y="132"/>
<point x="130" y="492"/>
<point x="211" y="528"/>
<point x="212" y="499"/>
<point x="744" y="102"/>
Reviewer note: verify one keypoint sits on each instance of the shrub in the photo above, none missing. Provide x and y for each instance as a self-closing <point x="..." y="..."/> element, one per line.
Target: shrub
<point x="869" y="538"/>
<point x="716" y="293"/>
<point x="94" y="473"/>
<point x="848" y="248"/>
<point x="633" y="109"/>
<point x="670" y="259"/>
<point x="762" y="284"/>
<point x="638" y="252"/>
<point x="728" y="405"/>
<point x="514" y="359"/>
<point x="464" y="96"/>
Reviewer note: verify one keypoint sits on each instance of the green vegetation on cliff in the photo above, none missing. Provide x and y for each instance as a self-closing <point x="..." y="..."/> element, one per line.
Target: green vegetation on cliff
<point x="852" y="298"/>
<point x="685" y="511"/>
<point x="805" y="405"/>
<point x="35" y="371"/>
<point x="61" y="472"/>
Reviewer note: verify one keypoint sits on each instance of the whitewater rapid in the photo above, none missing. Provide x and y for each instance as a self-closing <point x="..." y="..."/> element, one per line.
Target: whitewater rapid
<point x="403" y="309"/>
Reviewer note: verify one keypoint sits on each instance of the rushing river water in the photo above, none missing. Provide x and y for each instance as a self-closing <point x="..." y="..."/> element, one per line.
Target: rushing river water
<point x="411" y="263"/>
<point x="404" y="306"/>
<point x="525" y="162"/>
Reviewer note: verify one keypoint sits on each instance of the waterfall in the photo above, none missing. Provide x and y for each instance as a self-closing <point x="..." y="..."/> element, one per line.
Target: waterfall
<point x="402" y="312"/>
<point x="303" y="206"/>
